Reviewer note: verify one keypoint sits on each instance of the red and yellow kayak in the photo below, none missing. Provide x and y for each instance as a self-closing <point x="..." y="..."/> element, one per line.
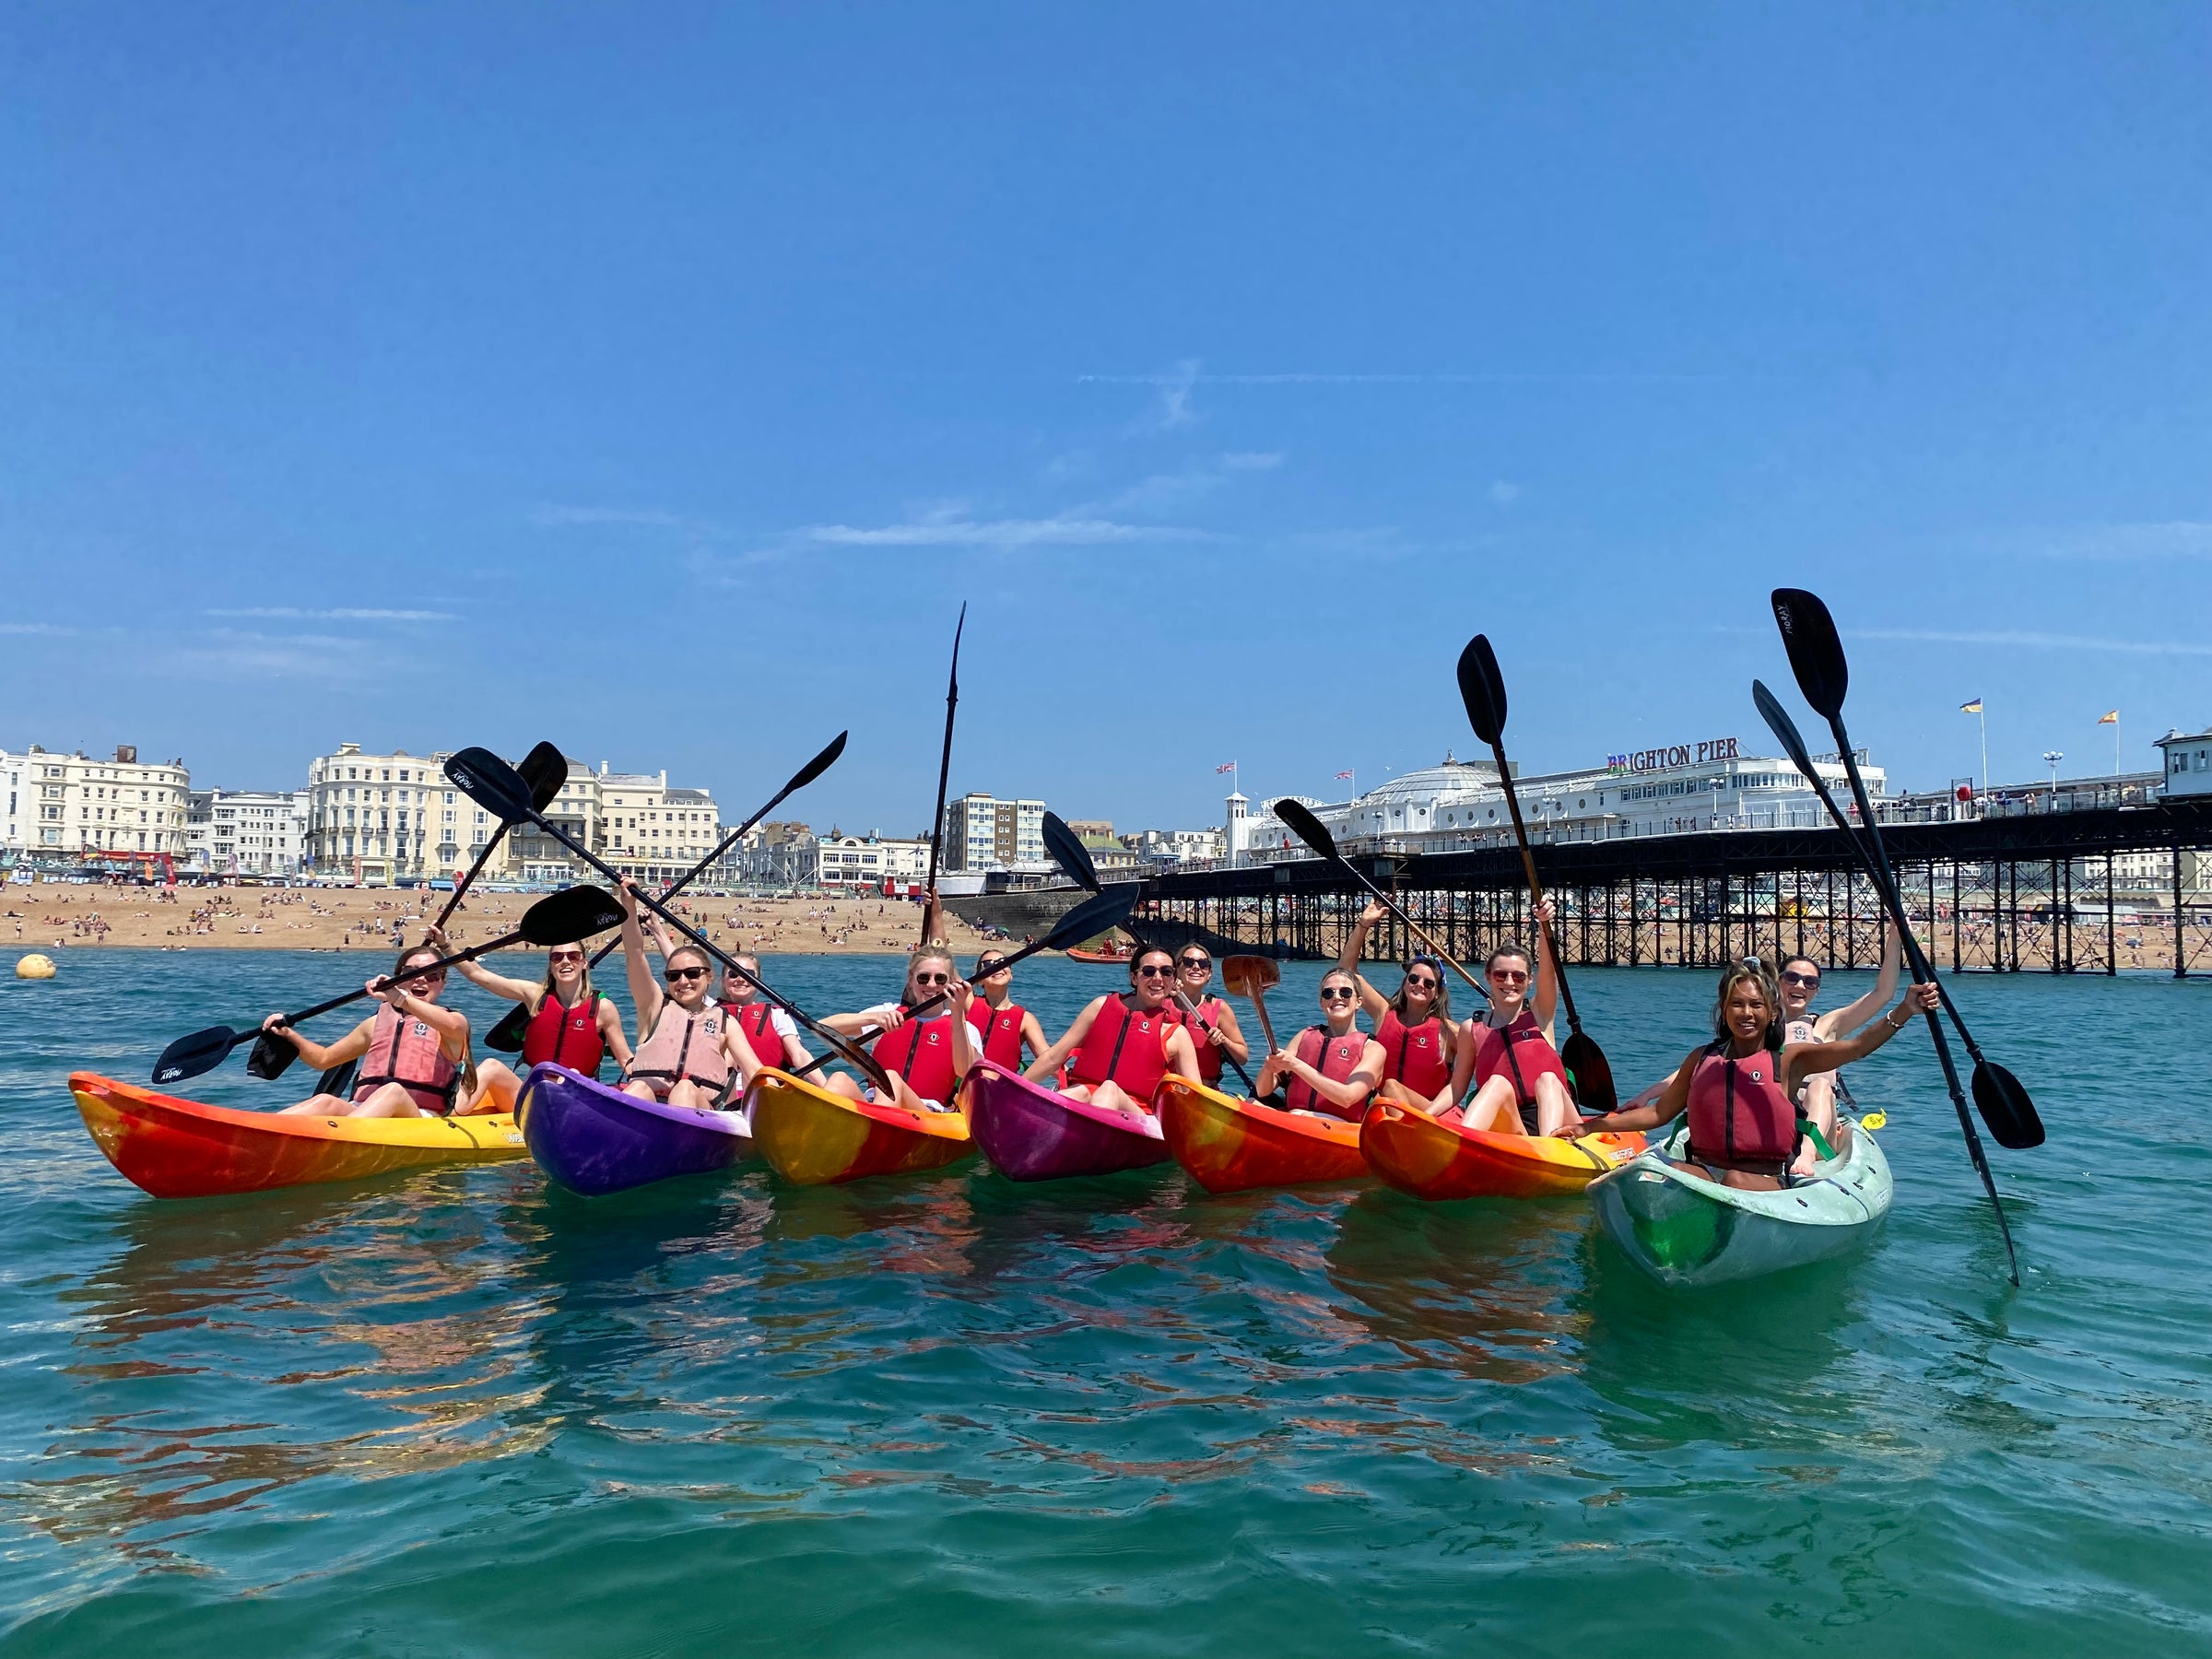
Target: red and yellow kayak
<point x="1417" y="1154"/>
<point x="177" y="1148"/>
<point x="816" y="1137"/>
<point x="1231" y="1146"/>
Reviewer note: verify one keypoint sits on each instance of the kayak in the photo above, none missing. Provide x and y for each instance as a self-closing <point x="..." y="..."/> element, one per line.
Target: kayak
<point x="1686" y="1230"/>
<point x="1232" y="1146"/>
<point x="1418" y="1155"/>
<point x="1030" y="1133"/>
<point x="1117" y="956"/>
<point x="177" y="1148"/>
<point x="816" y="1137"/>
<point x="594" y="1139"/>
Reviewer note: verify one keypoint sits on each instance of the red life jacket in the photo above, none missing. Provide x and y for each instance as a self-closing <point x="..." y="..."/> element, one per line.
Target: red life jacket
<point x="920" y="1051"/>
<point x="666" y="1055"/>
<point x="1126" y="1047"/>
<point x="997" y="1032"/>
<point x="1415" y="1055"/>
<point x="1520" y="1050"/>
<point x="566" y="1036"/>
<point x="756" y="1022"/>
<point x="408" y="1053"/>
<point x="1336" y="1058"/>
<point x="1739" y="1119"/>
<point x="1206" y="1018"/>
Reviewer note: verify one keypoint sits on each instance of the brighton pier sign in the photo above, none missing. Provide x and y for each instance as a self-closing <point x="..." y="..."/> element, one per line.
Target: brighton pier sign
<point x="1680" y="753"/>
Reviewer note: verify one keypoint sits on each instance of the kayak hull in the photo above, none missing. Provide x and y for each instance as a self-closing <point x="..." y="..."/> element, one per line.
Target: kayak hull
<point x="595" y="1140"/>
<point x="1687" y="1232"/>
<point x="815" y="1137"/>
<point x="1231" y="1146"/>
<point x="1030" y="1133"/>
<point x="179" y="1148"/>
<point x="1439" y="1161"/>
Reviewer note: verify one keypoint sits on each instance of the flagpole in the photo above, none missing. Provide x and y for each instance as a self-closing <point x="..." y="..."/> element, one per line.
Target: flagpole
<point x="1983" y="715"/>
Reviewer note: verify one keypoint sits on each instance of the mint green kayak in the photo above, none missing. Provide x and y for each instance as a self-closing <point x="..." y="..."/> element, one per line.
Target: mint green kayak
<point x="1687" y="1231"/>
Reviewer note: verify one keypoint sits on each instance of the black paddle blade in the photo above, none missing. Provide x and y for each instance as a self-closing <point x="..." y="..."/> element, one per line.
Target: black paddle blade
<point x="1307" y="827"/>
<point x="544" y="768"/>
<point x="2005" y="1108"/>
<point x="1110" y="908"/>
<point x="570" y="914"/>
<point x="1785" y="729"/>
<point x="271" y="1058"/>
<point x="491" y="783"/>
<point x="816" y="767"/>
<point x="1808" y="634"/>
<point x="201" y="1052"/>
<point x="1592" y="1072"/>
<point x="507" y="1036"/>
<point x="1482" y="688"/>
<point x="1069" y="853"/>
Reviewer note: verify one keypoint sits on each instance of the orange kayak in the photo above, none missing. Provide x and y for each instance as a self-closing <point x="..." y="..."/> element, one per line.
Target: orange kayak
<point x="1417" y="1154"/>
<point x="1231" y="1146"/>
<point x="816" y="1137"/>
<point x="177" y="1148"/>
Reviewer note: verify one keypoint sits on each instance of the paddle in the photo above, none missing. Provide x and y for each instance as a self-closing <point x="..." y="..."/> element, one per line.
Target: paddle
<point x="1482" y="688"/>
<point x="936" y="825"/>
<point x="1815" y="652"/>
<point x="507" y="1036"/>
<point x="1074" y="859"/>
<point x="1094" y="915"/>
<point x="1251" y="977"/>
<point x="492" y="784"/>
<point x="570" y="914"/>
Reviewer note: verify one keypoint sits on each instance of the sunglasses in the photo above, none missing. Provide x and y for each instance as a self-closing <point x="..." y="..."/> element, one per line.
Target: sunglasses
<point x="1338" y="994"/>
<point x="1153" y="970"/>
<point x="1499" y="976"/>
<point x="932" y="979"/>
<point x="1790" y="976"/>
<point x="408" y="979"/>
<point x="1195" y="963"/>
<point x="675" y="974"/>
<point x="989" y="966"/>
<point x="564" y="956"/>
<point x="1421" y="982"/>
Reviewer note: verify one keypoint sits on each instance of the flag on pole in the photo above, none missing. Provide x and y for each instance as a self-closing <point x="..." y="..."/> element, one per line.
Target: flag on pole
<point x="2112" y="719"/>
<point x="1970" y="708"/>
<point x="1344" y="774"/>
<point x="1226" y="766"/>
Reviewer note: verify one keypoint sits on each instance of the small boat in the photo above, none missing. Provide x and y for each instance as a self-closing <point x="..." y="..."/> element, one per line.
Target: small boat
<point x="1111" y="954"/>
<point x="1435" y="1160"/>
<point x="1231" y="1146"/>
<point x="594" y="1140"/>
<point x="816" y="1137"/>
<point x="1686" y="1230"/>
<point x="1030" y="1133"/>
<point x="177" y="1148"/>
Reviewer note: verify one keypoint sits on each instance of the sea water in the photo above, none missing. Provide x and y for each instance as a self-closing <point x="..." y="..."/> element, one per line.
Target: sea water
<point x="461" y="1413"/>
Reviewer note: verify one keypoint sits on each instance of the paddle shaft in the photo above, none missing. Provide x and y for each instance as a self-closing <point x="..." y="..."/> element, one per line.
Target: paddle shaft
<point x="1191" y="1008"/>
<point x="470" y="955"/>
<point x="1414" y="927"/>
<point x="461" y="887"/>
<point x="1023" y="955"/>
<point x="936" y="825"/>
<point x="1535" y="889"/>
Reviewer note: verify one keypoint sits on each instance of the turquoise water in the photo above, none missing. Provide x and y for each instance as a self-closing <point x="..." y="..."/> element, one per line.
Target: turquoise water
<point x="456" y="1413"/>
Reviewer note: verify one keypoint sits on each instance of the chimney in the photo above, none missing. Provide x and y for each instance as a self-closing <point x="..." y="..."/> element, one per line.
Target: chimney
<point x="127" y="754"/>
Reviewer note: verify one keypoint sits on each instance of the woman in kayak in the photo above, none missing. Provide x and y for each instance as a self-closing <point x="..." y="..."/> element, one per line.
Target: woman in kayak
<point x="1003" y="1027"/>
<point x="1328" y="1070"/>
<point x="1799" y="981"/>
<point x="926" y="1052"/>
<point x="1124" y="1043"/>
<point x="1738" y="1089"/>
<point x="774" y="1034"/>
<point x="414" y="1052"/>
<point x="1507" y="1050"/>
<point x="1415" y="1028"/>
<point x="689" y="1052"/>
<point x="1210" y="1021"/>
<point x="570" y="1024"/>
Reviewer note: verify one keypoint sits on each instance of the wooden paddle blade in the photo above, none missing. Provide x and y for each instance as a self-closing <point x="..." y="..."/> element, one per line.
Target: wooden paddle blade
<point x="1094" y="916"/>
<point x="202" y="1052"/>
<point x="1306" y="827"/>
<point x="1808" y="634"/>
<point x="1785" y="729"/>
<point x="544" y="768"/>
<point x="271" y="1058"/>
<point x="570" y="914"/>
<point x="1482" y="688"/>
<point x="1592" y="1072"/>
<point x="490" y="782"/>
<point x="1069" y="853"/>
<point x="1248" y="976"/>
<point x="507" y="1035"/>
<point x="2005" y="1108"/>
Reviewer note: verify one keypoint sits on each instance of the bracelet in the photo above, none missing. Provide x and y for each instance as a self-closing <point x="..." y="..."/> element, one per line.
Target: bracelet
<point x="1894" y="1023"/>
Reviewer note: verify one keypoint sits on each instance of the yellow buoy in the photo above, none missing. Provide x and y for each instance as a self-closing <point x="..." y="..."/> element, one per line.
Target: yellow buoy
<point x="35" y="966"/>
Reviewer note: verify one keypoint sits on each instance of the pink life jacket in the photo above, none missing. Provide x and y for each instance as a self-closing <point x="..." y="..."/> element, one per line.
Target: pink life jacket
<point x="1336" y="1058"/>
<point x="665" y="1054"/>
<point x="921" y="1052"/>
<point x="566" y="1036"/>
<point x="1521" y="1051"/>
<point x="1739" y="1119"/>
<point x="1415" y="1055"/>
<point x="998" y="1032"/>
<point x="408" y="1053"/>
<point x="1206" y="1018"/>
<point x="1126" y="1046"/>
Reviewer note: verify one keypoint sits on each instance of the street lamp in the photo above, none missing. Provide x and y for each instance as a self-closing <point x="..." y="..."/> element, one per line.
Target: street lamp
<point x="2054" y="757"/>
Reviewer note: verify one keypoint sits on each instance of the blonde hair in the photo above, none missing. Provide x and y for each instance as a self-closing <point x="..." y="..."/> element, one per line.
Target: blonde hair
<point x="927" y="953"/>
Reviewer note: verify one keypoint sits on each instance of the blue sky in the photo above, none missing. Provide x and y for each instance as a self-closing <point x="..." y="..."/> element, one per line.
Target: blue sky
<point x="661" y="381"/>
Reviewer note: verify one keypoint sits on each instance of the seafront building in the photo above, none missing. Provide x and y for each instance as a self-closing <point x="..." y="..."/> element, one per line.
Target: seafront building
<point x="857" y="861"/>
<point x="2188" y="761"/>
<point x="982" y="832"/>
<point x="247" y="832"/>
<point x="79" y="808"/>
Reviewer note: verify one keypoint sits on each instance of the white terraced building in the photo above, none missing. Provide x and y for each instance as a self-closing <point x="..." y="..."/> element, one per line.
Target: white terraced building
<point x="79" y="804"/>
<point x="248" y="832"/>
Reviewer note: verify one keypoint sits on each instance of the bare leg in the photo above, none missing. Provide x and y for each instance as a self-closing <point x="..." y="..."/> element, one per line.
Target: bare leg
<point x="1395" y="1093"/>
<point x="1496" y="1107"/>
<point x="683" y="1092"/>
<point x="1819" y="1106"/>
<point x="389" y="1101"/>
<point x="322" y="1105"/>
<point x="1555" y="1106"/>
<point x="839" y="1083"/>
<point x="639" y="1090"/>
<point x="1109" y="1094"/>
<point x="497" y="1089"/>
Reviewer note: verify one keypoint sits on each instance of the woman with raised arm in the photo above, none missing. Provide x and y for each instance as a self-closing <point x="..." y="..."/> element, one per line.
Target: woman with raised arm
<point x="689" y="1052"/>
<point x="1331" y="1069"/>
<point x="1798" y="983"/>
<point x="1211" y="1023"/>
<point x="1003" y="1027"/>
<point x="1507" y="1050"/>
<point x="1737" y="1090"/>
<point x="1413" y="1024"/>
<point x="570" y="1023"/>
<point x="926" y="1054"/>
<point x="1124" y="1043"/>
<point x="414" y="1052"/>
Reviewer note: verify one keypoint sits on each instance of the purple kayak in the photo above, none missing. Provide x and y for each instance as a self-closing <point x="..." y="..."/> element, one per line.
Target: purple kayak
<point x="1030" y="1133"/>
<point x="595" y="1140"/>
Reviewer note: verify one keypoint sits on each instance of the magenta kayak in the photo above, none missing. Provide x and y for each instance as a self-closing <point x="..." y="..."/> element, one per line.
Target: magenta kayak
<point x="1030" y="1133"/>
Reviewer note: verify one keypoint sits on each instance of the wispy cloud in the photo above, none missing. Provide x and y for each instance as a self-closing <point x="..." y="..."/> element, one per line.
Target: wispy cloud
<point x="637" y="518"/>
<point x="236" y="654"/>
<point x="1251" y="461"/>
<point x="1059" y="532"/>
<point x="2181" y="538"/>
<point x="341" y="615"/>
<point x="1504" y="492"/>
<point x="2035" y="641"/>
<point x="36" y="628"/>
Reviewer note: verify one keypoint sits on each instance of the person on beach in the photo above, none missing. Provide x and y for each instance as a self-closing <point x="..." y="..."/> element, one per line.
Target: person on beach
<point x="925" y="1052"/>
<point x="414" y="1052"/>
<point x="689" y="1052"/>
<point x="1506" y="1049"/>
<point x="570" y="1023"/>
<point x="1420" y="1046"/>
<point x="1739" y="1088"/>
<point x="1211" y="1023"/>
<point x="1124" y="1042"/>
<point x="1331" y="1069"/>
<point x="1003" y="1026"/>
